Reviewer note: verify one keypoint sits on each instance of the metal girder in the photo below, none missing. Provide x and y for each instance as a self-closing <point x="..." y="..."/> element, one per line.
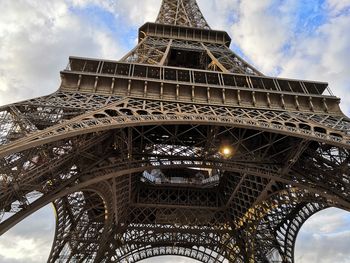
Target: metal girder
<point x="23" y="118"/>
<point x="181" y="12"/>
<point x="244" y="142"/>
<point x="167" y="147"/>
<point x="154" y="50"/>
<point x="141" y="112"/>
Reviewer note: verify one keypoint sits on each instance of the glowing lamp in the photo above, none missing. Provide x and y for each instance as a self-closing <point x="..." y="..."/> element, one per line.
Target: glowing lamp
<point x="226" y="151"/>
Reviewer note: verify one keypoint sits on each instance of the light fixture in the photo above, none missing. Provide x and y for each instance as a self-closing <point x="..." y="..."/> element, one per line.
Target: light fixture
<point x="226" y="151"/>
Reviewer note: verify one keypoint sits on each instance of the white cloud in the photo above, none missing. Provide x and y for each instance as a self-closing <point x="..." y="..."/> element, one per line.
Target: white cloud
<point x="134" y="12"/>
<point x="139" y="12"/>
<point x="262" y="34"/>
<point x="31" y="240"/>
<point x="219" y="13"/>
<point x="327" y="222"/>
<point x="324" y="56"/>
<point x="274" y="40"/>
<point x="324" y="238"/>
<point x="337" y="6"/>
<point x="36" y="40"/>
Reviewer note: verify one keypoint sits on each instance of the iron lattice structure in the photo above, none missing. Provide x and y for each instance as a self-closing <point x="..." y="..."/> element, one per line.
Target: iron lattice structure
<point x="180" y="148"/>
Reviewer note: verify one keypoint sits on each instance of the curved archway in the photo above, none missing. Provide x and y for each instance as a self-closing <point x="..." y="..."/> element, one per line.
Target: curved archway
<point x="86" y="208"/>
<point x="31" y="240"/>
<point x="101" y="120"/>
<point x="116" y="168"/>
<point x="169" y="259"/>
<point x="137" y="167"/>
<point x="172" y="254"/>
<point x="324" y="238"/>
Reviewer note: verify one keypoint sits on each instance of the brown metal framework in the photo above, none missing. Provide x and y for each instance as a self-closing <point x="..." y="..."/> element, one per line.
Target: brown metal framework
<point x="132" y="152"/>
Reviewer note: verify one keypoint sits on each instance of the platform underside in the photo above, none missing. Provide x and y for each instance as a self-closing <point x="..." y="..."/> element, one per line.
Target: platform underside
<point x="139" y="178"/>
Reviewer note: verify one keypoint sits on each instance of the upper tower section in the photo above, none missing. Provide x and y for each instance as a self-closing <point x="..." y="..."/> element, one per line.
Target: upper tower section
<point x="181" y="13"/>
<point x="182" y="38"/>
<point x="179" y="57"/>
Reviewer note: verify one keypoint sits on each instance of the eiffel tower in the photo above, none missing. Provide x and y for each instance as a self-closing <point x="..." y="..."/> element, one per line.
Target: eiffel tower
<point x="179" y="148"/>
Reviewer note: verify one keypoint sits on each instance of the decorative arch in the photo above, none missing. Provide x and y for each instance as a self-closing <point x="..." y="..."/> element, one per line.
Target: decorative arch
<point x="115" y="116"/>
<point x="109" y="168"/>
<point x="274" y="224"/>
<point x="75" y="214"/>
<point x="198" y="253"/>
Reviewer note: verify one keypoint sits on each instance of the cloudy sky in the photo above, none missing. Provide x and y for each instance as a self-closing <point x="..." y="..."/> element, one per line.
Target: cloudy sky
<point x="304" y="39"/>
